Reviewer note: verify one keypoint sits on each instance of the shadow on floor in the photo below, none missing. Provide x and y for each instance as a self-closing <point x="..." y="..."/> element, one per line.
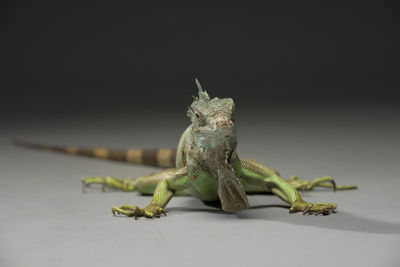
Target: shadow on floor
<point x="340" y="220"/>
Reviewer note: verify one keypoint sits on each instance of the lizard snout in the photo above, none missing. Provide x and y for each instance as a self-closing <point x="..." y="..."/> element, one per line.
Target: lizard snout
<point x="223" y="121"/>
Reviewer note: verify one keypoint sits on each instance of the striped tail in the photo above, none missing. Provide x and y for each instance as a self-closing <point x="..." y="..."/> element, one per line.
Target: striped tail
<point x="151" y="157"/>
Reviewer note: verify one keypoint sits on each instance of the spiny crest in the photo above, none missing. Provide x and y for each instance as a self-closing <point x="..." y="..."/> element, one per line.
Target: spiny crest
<point x="202" y="94"/>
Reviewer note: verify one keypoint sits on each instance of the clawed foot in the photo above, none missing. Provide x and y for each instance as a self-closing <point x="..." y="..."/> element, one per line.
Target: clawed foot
<point x="124" y="184"/>
<point x="151" y="211"/>
<point x="325" y="181"/>
<point x="313" y="208"/>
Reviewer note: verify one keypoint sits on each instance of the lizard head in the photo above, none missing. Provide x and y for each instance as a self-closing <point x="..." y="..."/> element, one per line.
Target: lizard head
<point x="212" y="116"/>
<point x="213" y="127"/>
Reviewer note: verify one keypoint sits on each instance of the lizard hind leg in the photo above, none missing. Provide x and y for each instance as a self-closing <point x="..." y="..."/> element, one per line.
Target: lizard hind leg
<point x="144" y="184"/>
<point x="325" y="182"/>
<point x="124" y="184"/>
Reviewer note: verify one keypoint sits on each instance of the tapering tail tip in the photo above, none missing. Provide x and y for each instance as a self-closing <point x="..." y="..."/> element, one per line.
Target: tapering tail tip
<point x="18" y="142"/>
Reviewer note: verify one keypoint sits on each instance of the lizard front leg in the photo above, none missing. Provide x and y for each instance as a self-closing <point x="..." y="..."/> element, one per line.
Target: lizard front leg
<point x="165" y="190"/>
<point x="256" y="174"/>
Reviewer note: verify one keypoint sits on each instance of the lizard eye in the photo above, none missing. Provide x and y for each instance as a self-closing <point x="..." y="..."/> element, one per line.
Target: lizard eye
<point x="200" y="119"/>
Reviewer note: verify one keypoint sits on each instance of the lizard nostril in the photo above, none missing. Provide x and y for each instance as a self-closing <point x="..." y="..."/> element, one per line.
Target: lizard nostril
<point x="223" y="122"/>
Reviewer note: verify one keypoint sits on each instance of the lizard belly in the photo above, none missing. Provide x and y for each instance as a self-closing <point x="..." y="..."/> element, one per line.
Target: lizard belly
<point x="204" y="187"/>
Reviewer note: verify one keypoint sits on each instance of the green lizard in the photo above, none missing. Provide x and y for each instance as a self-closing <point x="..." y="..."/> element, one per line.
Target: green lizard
<point x="205" y="165"/>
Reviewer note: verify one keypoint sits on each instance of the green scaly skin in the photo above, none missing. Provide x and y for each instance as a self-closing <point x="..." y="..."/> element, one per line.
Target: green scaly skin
<point x="209" y="168"/>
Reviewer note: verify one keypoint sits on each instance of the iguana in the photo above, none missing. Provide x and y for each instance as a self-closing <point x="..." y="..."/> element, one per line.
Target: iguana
<point x="205" y="165"/>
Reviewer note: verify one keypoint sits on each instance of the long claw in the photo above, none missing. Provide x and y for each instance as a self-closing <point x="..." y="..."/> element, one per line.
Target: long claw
<point x="326" y="212"/>
<point x="318" y="212"/>
<point x="333" y="185"/>
<point x="308" y="208"/>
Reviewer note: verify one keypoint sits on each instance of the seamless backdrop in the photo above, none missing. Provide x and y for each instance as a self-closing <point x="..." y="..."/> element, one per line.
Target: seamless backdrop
<point x="316" y="92"/>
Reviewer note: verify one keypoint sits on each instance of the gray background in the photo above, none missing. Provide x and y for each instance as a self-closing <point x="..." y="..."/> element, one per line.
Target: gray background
<point x="315" y="87"/>
<point x="46" y="220"/>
